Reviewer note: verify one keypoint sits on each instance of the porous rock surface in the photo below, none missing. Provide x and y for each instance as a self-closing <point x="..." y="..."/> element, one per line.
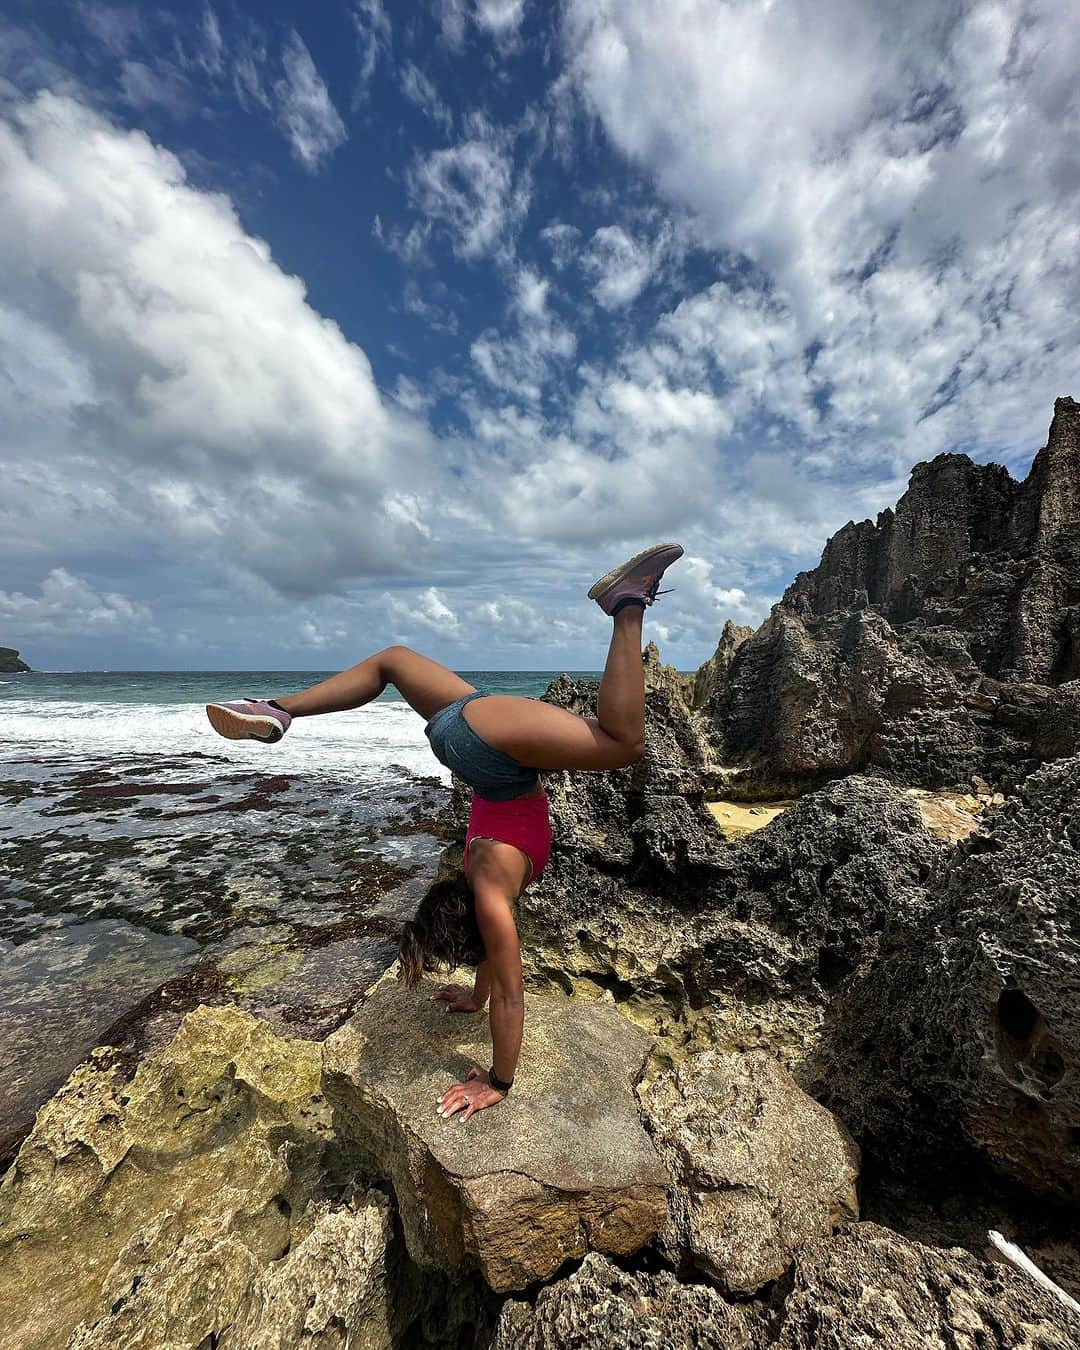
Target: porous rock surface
<point x="759" y="1167"/>
<point x="705" y="689"/>
<point x="563" y="1166"/>
<point x="966" y="1026"/>
<point x="738" y="945"/>
<point x="869" y="1287"/>
<point x="601" y="1306"/>
<point x="189" y="1205"/>
<point x="860" y="1289"/>
<point x="941" y="641"/>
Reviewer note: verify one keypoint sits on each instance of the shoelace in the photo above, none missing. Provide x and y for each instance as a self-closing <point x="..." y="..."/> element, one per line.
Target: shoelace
<point x="651" y="591"/>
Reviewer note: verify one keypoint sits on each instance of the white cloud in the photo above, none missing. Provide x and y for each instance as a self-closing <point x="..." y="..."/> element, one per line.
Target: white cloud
<point x="373" y="38"/>
<point x="522" y="363"/>
<point x="168" y="386"/>
<point x="872" y="167"/>
<point x="619" y="265"/>
<point x="502" y="18"/>
<point x="564" y="242"/>
<point x="69" y="605"/>
<point x="420" y="91"/>
<point x="304" y="108"/>
<point x="452" y="22"/>
<point x="426" y="611"/>
<point x="317" y="636"/>
<point x="472" y="190"/>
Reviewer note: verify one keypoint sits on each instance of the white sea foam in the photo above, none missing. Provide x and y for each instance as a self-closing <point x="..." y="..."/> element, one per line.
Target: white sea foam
<point x="368" y="745"/>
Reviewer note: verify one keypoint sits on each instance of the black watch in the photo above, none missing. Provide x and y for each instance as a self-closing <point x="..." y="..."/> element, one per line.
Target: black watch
<point x="497" y="1083"/>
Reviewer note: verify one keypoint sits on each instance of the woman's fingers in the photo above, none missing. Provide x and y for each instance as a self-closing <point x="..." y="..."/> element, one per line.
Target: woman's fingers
<point x="468" y="1112"/>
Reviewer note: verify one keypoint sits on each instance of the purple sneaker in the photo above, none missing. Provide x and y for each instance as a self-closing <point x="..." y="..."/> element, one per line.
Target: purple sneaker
<point x="249" y="718"/>
<point x="637" y="579"/>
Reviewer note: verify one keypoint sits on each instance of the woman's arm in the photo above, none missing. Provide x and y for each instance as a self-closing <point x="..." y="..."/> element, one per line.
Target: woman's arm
<point x="495" y="920"/>
<point x="502" y="961"/>
<point x="482" y="984"/>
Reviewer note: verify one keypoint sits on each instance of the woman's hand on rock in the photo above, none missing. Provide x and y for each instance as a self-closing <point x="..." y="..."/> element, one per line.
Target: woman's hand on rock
<point x="472" y="1095"/>
<point x="457" y="998"/>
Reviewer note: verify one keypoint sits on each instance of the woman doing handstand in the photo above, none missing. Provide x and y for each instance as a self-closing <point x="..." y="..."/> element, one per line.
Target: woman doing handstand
<point x="498" y="744"/>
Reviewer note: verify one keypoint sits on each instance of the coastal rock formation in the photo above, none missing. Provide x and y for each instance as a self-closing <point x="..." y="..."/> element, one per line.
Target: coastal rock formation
<point x="10" y="663"/>
<point x="562" y="1167"/>
<point x="760" y="1168"/>
<point x="192" y="1202"/>
<point x="867" y="1286"/>
<point x="941" y="641"/>
<point x="862" y="1288"/>
<point x="601" y="1305"/>
<point x="733" y="945"/>
<point x="966" y="1027"/>
<point x="705" y="689"/>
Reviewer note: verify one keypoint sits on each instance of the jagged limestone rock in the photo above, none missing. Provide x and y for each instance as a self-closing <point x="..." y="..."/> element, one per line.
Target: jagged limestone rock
<point x="178" y="1203"/>
<point x="869" y="1287"/>
<point x="706" y="687"/>
<point x="860" y="1289"/>
<point x="739" y="945"/>
<point x="759" y="1168"/>
<point x="329" y="1290"/>
<point x="965" y="1029"/>
<point x="939" y="642"/>
<point x="660" y="676"/>
<point x="601" y="1306"/>
<point x="561" y="1167"/>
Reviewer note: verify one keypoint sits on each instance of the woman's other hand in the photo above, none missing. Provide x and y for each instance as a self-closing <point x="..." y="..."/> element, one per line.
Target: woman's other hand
<point x="472" y="1095"/>
<point x="457" y="998"/>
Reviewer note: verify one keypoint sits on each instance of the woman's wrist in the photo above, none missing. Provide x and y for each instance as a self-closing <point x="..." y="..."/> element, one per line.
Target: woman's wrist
<point x="499" y="1084"/>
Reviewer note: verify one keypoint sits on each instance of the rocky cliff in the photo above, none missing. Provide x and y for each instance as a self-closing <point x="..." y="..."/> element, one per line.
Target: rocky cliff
<point x="705" y="943"/>
<point x="10" y="663"/>
<point x="941" y="641"/>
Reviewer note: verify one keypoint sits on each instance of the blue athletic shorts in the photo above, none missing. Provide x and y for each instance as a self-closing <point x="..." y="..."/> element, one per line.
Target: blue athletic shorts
<point x="489" y="772"/>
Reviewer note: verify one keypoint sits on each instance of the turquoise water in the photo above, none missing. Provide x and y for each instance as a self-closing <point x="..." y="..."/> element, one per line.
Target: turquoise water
<point x="207" y="686"/>
<point x="98" y="716"/>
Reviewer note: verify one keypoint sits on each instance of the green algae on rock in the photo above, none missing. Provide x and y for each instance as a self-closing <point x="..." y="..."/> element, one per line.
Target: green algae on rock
<point x="195" y="1195"/>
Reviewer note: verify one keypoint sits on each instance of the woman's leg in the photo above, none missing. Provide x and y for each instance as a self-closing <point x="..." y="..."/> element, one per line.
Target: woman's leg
<point x="544" y="737"/>
<point x="424" y="684"/>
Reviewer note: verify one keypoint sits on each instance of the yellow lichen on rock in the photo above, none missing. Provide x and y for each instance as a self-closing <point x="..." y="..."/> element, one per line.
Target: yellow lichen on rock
<point x="184" y="1201"/>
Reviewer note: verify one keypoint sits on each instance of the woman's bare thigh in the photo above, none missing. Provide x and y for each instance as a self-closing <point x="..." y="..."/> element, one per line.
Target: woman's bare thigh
<point x="542" y="736"/>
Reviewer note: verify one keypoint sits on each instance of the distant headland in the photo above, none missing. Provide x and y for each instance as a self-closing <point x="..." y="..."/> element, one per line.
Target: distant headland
<point x="10" y="663"/>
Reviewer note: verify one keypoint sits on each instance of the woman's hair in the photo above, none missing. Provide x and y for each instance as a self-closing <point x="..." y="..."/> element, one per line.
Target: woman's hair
<point x="443" y="934"/>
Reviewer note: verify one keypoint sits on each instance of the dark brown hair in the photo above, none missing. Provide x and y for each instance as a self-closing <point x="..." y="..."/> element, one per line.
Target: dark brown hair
<point x="443" y="933"/>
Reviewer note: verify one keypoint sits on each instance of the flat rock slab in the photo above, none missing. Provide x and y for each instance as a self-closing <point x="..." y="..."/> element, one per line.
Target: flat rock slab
<point x="563" y="1166"/>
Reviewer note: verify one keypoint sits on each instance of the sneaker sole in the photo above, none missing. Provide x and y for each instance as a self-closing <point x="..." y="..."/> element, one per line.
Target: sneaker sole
<point x="238" y="726"/>
<point x="597" y="589"/>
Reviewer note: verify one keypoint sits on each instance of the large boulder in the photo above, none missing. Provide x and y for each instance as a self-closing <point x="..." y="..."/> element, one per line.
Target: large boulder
<point x="931" y="644"/>
<point x="188" y="1203"/>
<point x="869" y="1287"/>
<point x="563" y="1166"/>
<point x="737" y="945"/>
<point x="759" y="1167"/>
<point x="601" y="1306"/>
<point x="965" y="1029"/>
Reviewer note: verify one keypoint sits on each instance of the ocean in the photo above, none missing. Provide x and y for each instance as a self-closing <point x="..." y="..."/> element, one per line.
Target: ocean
<point x="142" y="853"/>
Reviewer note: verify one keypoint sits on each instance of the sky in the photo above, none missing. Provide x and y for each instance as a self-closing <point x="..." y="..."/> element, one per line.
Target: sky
<point x="325" y="327"/>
